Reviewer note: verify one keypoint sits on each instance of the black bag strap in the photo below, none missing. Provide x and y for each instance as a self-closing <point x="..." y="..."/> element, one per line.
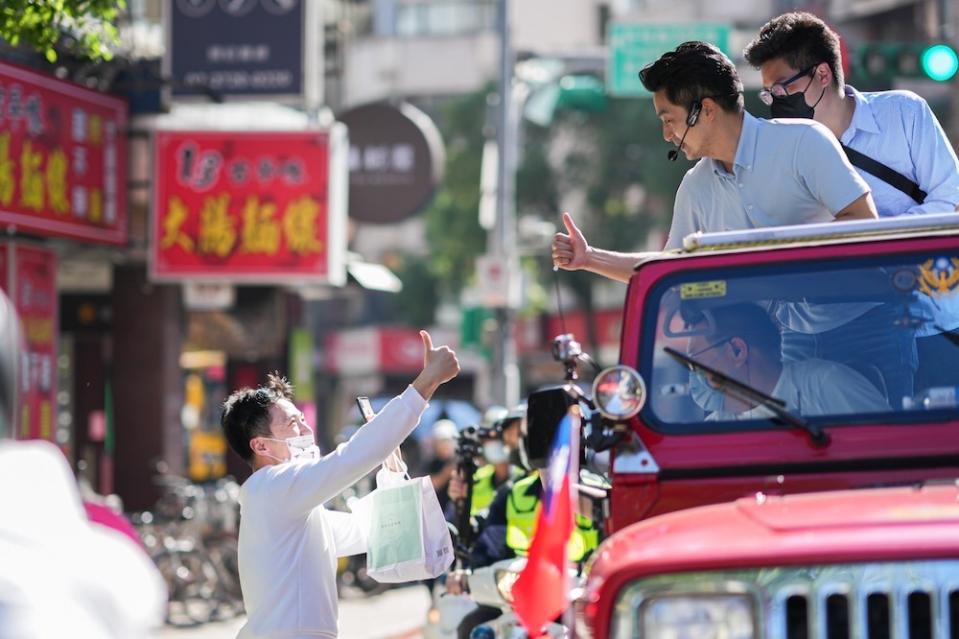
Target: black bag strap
<point x="889" y="176"/>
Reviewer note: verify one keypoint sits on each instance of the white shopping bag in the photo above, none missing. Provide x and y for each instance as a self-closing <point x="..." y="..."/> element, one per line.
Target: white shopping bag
<point x="406" y="533"/>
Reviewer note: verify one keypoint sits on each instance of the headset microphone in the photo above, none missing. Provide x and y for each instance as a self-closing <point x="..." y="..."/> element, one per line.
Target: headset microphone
<point x="694" y="109"/>
<point x="674" y="153"/>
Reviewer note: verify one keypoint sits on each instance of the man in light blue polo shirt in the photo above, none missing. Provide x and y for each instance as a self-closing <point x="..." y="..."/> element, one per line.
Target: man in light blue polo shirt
<point x="751" y="173"/>
<point x="800" y="61"/>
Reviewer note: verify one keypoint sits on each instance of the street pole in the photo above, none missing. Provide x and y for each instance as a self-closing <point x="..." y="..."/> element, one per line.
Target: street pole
<point x="502" y="242"/>
<point x="949" y="19"/>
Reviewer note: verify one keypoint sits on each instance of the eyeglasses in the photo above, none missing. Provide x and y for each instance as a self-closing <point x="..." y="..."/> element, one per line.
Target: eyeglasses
<point x="710" y="347"/>
<point x="779" y="89"/>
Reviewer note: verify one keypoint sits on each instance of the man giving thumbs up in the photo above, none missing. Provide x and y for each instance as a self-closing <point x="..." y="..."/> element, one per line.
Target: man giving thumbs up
<point x="288" y="541"/>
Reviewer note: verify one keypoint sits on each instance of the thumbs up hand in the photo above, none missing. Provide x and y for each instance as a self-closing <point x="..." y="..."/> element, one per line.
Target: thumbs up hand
<point x="439" y="366"/>
<point x="570" y="249"/>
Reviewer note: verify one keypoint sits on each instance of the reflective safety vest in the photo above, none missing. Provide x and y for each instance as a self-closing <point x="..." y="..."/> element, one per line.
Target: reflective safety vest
<point x="483" y="489"/>
<point x="522" y="513"/>
<point x="484" y="486"/>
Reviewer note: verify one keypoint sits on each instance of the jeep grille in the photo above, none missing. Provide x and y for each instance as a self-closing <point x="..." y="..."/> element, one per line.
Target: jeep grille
<point x="907" y="600"/>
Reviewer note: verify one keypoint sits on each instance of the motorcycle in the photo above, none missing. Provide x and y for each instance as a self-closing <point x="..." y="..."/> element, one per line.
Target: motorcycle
<point x="492" y="586"/>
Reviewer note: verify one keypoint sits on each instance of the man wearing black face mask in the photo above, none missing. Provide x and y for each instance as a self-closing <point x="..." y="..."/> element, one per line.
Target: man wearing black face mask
<point x="799" y="58"/>
<point x="897" y="145"/>
<point x="750" y="173"/>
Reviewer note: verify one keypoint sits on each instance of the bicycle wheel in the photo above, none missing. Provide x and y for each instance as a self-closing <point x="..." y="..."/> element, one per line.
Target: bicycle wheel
<point x="191" y="580"/>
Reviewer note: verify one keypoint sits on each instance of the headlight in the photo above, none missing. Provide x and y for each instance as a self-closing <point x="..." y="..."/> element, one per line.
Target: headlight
<point x="619" y="392"/>
<point x="700" y="616"/>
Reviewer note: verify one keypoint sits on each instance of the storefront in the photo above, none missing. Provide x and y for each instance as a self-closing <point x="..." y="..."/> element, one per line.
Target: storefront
<point x="62" y="194"/>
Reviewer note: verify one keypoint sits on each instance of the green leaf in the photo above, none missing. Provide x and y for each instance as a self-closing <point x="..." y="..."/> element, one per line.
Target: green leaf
<point x="46" y="24"/>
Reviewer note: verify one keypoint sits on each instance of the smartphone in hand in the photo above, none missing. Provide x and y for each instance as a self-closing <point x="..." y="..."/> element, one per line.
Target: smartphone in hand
<point x="395" y="461"/>
<point x="366" y="408"/>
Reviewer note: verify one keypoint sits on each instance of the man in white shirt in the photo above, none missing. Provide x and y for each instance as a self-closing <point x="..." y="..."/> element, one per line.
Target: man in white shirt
<point x="751" y="173"/>
<point x="742" y="342"/>
<point x="288" y="542"/>
<point x="910" y="167"/>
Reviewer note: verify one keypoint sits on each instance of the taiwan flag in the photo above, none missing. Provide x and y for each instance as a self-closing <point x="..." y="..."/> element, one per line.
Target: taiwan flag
<point x="540" y="593"/>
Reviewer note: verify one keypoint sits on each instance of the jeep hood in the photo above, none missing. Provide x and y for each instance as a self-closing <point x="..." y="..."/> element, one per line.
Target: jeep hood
<point x="848" y="526"/>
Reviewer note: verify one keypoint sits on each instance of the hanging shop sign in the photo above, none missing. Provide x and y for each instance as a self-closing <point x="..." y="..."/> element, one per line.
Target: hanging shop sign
<point x="239" y="206"/>
<point x="30" y="280"/>
<point x="396" y="161"/>
<point x="62" y="158"/>
<point x="243" y="48"/>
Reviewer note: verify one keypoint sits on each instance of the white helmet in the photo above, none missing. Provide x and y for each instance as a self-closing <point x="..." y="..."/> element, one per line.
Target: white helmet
<point x="492" y="415"/>
<point x="444" y="429"/>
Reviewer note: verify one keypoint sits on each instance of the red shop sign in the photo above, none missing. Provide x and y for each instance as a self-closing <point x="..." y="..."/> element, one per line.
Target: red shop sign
<point x="62" y="158"/>
<point x="263" y="206"/>
<point x="30" y="274"/>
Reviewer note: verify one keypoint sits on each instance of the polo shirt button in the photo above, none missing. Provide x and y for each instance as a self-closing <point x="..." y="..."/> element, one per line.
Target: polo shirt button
<point x="740" y="185"/>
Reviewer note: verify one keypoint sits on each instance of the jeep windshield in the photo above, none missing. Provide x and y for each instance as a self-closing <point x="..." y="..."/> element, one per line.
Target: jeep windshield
<point x="837" y="342"/>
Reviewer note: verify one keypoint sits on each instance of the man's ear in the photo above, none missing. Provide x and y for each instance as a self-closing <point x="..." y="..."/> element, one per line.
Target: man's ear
<point x="710" y="109"/>
<point x="739" y="348"/>
<point x="257" y="446"/>
<point x="824" y="75"/>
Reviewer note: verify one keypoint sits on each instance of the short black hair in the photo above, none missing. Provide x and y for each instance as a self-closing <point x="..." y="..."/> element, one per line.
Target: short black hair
<point x="799" y="38"/>
<point x="246" y="413"/>
<point x="693" y="71"/>
<point x="750" y="323"/>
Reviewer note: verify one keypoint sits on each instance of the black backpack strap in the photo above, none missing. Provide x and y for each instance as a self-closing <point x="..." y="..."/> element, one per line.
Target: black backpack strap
<point x="884" y="173"/>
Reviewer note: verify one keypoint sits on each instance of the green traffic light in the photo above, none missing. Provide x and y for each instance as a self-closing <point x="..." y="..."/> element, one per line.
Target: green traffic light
<point x="940" y="62"/>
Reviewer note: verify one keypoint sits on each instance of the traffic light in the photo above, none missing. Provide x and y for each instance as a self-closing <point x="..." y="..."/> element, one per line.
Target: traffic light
<point x="940" y="62"/>
<point x="888" y="60"/>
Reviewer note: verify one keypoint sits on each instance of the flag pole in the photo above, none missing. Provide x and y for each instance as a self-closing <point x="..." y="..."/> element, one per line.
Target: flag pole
<point x="575" y="426"/>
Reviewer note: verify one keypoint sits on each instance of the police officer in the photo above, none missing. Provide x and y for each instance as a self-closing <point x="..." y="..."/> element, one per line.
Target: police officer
<point x="503" y="463"/>
<point x="508" y="532"/>
<point x="522" y="512"/>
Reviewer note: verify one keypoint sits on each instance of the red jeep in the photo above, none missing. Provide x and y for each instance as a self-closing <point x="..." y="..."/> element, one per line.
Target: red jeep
<point x="772" y="477"/>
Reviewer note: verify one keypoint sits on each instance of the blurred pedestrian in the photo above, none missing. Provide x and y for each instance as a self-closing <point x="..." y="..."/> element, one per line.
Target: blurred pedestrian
<point x="442" y="462"/>
<point x="61" y="575"/>
<point x="288" y="542"/>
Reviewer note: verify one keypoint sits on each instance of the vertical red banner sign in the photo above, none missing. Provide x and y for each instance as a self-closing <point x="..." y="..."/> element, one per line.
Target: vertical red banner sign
<point x="248" y="206"/>
<point x="30" y="277"/>
<point x="62" y="158"/>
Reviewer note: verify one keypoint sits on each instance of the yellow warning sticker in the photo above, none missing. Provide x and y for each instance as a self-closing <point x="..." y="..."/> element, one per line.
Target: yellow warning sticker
<point x="700" y="290"/>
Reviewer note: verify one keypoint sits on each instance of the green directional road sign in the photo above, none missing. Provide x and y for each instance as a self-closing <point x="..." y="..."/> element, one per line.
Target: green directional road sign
<point x="633" y="46"/>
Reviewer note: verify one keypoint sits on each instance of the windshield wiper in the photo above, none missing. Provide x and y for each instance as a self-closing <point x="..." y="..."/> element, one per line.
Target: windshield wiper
<point x="745" y="393"/>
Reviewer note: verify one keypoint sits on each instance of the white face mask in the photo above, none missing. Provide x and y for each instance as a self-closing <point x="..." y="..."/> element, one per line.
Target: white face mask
<point x="495" y="452"/>
<point x="302" y="447"/>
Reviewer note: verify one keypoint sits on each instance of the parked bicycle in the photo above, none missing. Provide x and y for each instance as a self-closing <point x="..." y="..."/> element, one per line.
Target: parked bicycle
<point x="191" y="536"/>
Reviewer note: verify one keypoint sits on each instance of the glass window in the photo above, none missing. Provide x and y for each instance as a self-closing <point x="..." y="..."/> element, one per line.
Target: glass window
<point x="831" y="342"/>
<point x="444" y="18"/>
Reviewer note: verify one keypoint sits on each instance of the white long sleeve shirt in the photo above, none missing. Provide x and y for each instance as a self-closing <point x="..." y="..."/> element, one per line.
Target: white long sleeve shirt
<point x="289" y="542"/>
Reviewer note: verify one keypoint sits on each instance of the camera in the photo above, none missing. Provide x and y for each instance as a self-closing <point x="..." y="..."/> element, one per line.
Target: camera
<point x="469" y="443"/>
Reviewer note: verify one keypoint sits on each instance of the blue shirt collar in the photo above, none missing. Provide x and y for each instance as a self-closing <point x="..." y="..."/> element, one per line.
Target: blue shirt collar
<point x="863" y="119"/>
<point x="746" y="149"/>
